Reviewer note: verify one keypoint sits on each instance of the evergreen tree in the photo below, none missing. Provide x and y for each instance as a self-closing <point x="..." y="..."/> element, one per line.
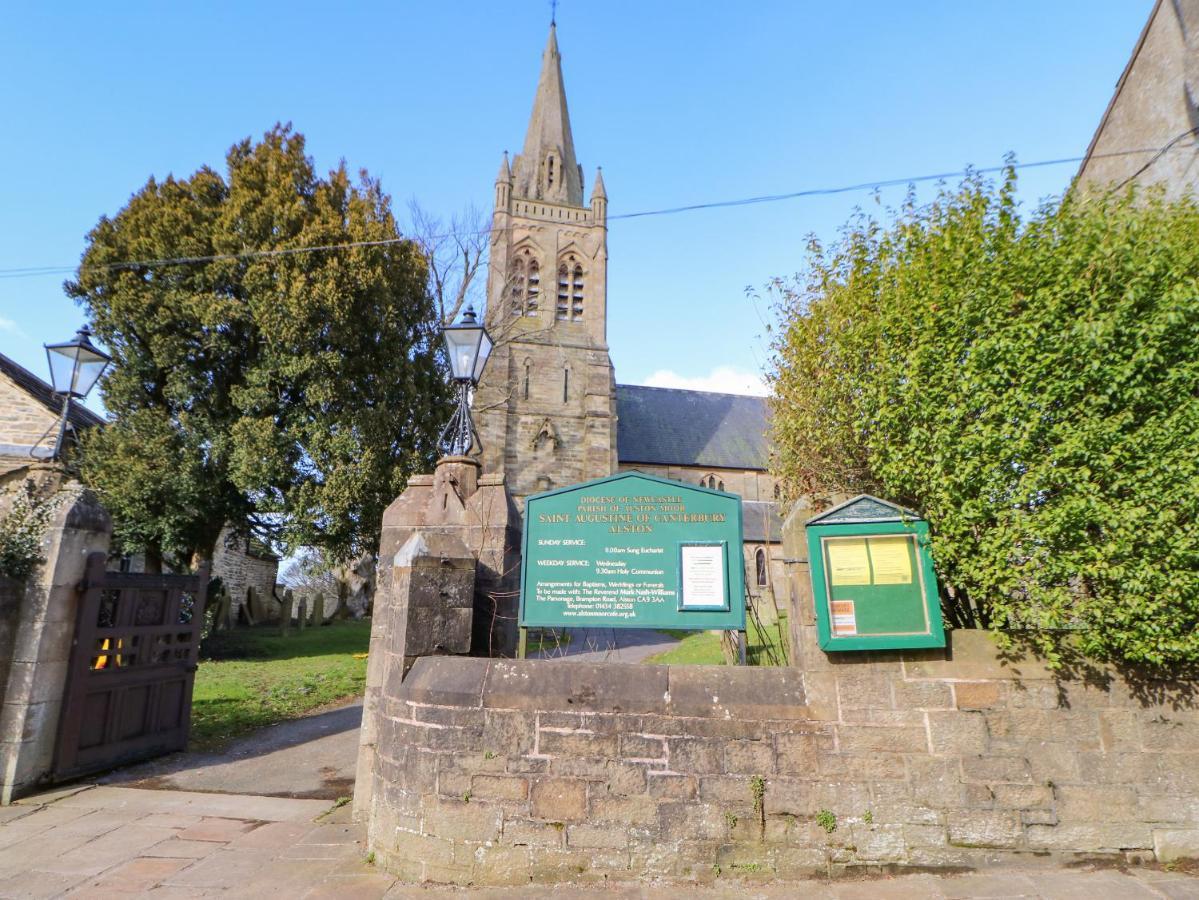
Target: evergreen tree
<point x="293" y="392"/>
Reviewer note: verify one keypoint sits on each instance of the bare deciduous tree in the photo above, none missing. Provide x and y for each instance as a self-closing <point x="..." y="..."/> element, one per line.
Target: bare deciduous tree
<point x="456" y="252"/>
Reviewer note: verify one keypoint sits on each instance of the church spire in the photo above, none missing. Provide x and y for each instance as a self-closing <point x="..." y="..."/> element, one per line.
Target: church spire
<point x="546" y="169"/>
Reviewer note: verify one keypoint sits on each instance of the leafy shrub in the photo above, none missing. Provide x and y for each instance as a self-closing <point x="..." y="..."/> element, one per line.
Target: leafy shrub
<point x="22" y="529"/>
<point x="1032" y="386"/>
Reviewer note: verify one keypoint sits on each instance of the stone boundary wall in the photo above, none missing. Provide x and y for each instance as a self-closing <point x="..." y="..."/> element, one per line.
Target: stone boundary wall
<point x="502" y="772"/>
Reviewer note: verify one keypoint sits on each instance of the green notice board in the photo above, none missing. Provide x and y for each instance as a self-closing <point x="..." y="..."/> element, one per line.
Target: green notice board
<point x="633" y="551"/>
<point x="872" y="578"/>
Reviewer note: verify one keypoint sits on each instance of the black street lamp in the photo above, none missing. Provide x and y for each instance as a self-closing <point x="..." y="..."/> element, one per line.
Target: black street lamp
<point x="75" y="367"/>
<point x="468" y="345"/>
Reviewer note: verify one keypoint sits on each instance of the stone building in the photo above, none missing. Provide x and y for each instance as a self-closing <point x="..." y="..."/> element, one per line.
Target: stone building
<point x="1154" y="109"/>
<point x="548" y="408"/>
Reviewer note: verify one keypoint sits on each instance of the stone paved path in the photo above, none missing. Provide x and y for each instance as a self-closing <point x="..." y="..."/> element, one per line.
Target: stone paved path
<point x="313" y="757"/>
<point x="108" y="841"/>
<point x="630" y="645"/>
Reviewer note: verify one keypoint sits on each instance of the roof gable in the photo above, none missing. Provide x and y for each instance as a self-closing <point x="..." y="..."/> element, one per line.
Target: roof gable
<point x="668" y="426"/>
<point x="864" y="508"/>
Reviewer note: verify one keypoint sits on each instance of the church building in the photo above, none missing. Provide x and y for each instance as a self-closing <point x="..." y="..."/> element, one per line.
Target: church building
<point x="548" y="408"/>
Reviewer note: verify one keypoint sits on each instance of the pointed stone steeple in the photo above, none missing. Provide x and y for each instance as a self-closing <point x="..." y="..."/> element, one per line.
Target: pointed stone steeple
<point x="505" y="173"/>
<point x="597" y="191"/>
<point x="546" y="169"/>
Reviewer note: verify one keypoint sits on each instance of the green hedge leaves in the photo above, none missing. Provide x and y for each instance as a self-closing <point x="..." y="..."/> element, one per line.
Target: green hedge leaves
<point x="1031" y="384"/>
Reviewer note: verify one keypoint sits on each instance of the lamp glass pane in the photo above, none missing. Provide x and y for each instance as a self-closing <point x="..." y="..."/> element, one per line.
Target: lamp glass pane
<point x="462" y="346"/>
<point x="62" y="367"/>
<point x="87" y="373"/>
<point x="485" y="345"/>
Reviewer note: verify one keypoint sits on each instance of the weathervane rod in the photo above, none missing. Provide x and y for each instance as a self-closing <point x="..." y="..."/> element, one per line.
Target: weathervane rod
<point x="554" y="12"/>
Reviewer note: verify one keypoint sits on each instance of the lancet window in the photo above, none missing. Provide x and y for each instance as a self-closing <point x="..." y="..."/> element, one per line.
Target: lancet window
<point x="570" y="290"/>
<point x="525" y="288"/>
<point x="533" y="288"/>
<point x="576" y="310"/>
<point x="563" y="311"/>
<point x="519" y="279"/>
<point x="760" y="565"/>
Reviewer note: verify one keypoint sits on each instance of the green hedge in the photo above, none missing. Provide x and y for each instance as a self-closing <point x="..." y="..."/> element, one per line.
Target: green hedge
<point x="1031" y="383"/>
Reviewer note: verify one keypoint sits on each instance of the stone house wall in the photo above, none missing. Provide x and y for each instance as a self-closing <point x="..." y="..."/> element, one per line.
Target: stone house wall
<point x="23" y="420"/>
<point x="239" y="569"/>
<point x="1155" y="103"/>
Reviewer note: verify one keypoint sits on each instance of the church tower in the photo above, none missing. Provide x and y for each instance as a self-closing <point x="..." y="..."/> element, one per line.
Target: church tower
<point x="546" y="406"/>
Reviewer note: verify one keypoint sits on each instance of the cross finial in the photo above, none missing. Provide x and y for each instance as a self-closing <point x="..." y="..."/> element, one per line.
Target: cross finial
<point x="553" y="12"/>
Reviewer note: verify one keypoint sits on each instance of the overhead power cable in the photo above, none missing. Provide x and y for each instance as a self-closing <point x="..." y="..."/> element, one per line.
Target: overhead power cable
<point x="36" y="271"/>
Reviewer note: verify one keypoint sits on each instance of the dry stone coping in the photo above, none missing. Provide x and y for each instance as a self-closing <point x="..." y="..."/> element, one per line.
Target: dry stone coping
<point x="692" y="691"/>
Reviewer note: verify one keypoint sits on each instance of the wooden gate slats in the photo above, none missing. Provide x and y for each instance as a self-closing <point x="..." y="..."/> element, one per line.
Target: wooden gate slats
<point x="137" y="704"/>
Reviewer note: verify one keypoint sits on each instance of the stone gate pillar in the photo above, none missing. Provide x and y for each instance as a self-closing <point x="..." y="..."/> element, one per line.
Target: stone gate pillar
<point x="449" y="558"/>
<point x="37" y="626"/>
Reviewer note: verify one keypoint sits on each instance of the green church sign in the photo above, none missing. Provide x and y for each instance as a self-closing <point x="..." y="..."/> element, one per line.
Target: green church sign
<point x="632" y="551"/>
<point x="872" y="578"/>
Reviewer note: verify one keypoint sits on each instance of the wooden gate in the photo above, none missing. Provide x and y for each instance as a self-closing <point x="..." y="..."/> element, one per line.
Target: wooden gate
<point x="129" y="685"/>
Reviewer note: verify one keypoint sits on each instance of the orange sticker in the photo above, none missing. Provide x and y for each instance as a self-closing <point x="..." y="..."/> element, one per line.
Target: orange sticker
<point x="845" y="622"/>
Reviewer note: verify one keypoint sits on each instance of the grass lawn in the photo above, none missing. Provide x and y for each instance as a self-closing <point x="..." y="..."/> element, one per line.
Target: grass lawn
<point x="702" y="648"/>
<point x="251" y="677"/>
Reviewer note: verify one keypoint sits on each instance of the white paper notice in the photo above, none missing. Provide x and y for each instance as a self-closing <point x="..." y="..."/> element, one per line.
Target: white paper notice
<point x="703" y="577"/>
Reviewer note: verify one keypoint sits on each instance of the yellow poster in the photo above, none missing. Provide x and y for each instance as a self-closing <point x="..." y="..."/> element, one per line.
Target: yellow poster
<point x="891" y="560"/>
<point x="848" y="562"/>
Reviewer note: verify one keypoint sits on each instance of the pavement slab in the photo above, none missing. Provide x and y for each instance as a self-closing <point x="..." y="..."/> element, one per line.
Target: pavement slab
<point x="125" y="842"/>
<point x="232" y="806"/>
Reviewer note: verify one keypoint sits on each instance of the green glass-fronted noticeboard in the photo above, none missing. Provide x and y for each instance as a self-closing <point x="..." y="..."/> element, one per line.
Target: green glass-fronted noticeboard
<point x="872" y="578"/>
<point x="633" y="551"/>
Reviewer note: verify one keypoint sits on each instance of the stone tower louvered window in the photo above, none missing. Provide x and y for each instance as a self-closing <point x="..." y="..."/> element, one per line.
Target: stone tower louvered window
<point x="525" y="289"/>
<point x="576" y="310"/>
<point x="563" y="293"/>
<point x="533" y="288"/>
<point x="519" y="277"/>
<point x="570" y="290"/>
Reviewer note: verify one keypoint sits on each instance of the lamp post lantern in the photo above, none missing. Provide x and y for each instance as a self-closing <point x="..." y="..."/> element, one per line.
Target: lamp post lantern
<point x="468" y="345"/>
<point x="75" y="367"/>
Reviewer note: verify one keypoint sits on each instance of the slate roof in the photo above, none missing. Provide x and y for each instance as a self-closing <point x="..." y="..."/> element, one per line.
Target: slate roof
<point x="761" y="521"/>
<point x="79" y="416"/>
<point x="669" y="426"/>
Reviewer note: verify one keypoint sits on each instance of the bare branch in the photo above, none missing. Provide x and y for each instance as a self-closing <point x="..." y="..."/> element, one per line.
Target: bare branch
<point x="456" y="253"/>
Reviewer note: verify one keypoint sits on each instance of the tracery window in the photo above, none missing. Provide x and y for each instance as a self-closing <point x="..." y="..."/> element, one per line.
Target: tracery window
<point x="760" y="565"/>
<point x="711" y="482"/>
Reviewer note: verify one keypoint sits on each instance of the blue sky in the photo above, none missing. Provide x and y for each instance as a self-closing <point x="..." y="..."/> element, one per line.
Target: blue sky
<point x="680" y="102"/>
